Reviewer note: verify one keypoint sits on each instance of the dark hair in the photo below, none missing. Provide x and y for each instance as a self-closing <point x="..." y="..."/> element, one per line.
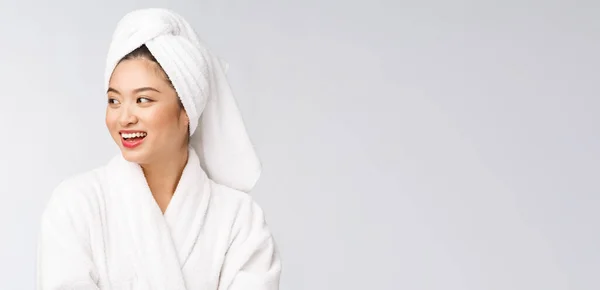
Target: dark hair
<point x="143" y="52"/>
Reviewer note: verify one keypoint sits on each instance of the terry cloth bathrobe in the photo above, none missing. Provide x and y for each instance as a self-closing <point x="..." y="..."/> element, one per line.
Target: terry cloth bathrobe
<point x="102" y="229"/>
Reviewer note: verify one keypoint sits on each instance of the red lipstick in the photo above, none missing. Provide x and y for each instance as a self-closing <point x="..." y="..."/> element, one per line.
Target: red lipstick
<point x="132" y="138"/>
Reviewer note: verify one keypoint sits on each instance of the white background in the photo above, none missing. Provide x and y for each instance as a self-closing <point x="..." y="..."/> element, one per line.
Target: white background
<point x="406" y="145"/>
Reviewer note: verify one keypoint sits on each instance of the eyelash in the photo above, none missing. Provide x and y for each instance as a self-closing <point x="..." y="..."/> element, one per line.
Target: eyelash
<point x="110" y="100"/>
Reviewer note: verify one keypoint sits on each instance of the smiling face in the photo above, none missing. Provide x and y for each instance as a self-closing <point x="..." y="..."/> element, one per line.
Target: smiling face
<point x="144" y="115"/>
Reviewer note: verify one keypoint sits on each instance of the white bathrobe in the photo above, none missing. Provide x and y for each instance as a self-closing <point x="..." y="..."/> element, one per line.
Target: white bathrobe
<point x="103" y="230"/>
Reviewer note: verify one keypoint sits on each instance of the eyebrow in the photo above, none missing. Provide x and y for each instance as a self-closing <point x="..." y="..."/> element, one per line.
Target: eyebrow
<point x="138" y="90"/>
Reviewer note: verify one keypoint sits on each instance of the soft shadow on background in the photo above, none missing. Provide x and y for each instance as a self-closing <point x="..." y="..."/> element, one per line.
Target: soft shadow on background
<point x="406" y="145"/>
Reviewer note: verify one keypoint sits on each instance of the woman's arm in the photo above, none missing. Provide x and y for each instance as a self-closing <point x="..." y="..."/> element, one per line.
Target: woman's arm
<point x="252" y="261"/>
<point x="64" y="258"/>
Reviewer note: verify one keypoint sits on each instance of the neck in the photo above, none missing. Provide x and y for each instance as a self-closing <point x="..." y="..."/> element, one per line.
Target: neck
<point x="163" y="176"/>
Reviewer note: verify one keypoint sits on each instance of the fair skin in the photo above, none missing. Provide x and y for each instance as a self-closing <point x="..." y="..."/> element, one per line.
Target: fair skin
<point x="141" y="99"/>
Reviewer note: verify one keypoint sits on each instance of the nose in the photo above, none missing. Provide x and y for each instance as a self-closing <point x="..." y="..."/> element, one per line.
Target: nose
<point x="127" y="116"/>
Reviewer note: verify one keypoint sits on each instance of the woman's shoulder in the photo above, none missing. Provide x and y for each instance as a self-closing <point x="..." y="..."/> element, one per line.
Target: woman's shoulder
<point x="82" y="183"/>
<point x="78" y="192"/>
<point x="229" y="197"/>
<point x="238" y="203"/>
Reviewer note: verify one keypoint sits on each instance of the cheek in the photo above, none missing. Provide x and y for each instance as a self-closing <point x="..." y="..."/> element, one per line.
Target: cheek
<point x="161" y="119"/>
<point x="110" y="120"/>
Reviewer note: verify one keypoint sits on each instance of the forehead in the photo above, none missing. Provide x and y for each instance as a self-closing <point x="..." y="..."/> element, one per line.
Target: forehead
<point x="135" y="73"/>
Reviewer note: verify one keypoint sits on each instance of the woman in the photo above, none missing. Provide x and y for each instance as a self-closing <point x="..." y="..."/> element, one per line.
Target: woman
<point x="172" y="210"/>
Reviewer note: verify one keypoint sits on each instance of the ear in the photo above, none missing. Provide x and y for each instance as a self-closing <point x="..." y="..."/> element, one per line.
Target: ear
<point x="186" y="118"/>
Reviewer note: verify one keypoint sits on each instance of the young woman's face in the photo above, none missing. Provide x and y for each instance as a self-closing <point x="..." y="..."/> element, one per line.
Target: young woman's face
<point x="143" y="113"/>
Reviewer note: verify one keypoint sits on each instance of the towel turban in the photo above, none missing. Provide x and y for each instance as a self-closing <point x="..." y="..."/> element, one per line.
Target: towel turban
<point x="217" y="130"/>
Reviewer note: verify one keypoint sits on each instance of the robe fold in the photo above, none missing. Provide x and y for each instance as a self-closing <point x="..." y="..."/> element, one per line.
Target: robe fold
<point x="102" y="229"/>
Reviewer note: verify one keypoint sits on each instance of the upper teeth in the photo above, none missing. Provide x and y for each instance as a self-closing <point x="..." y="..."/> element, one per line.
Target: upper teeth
<point x="133" y="135"/>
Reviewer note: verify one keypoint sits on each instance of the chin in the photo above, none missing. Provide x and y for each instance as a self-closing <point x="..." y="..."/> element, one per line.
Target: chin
<point x="136" y="156"/>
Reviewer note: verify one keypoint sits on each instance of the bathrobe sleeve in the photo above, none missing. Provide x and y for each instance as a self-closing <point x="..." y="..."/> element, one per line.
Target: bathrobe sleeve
<point x="64" y="258"/>
<point x="252" y="261"/>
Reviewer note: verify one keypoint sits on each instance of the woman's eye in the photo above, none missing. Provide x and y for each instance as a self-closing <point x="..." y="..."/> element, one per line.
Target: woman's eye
<point x="143" y="100"/>
<point x="112" y="101"/>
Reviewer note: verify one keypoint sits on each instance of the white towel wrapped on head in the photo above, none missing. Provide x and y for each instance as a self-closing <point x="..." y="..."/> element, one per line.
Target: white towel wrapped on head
<point x="217" y="129"/>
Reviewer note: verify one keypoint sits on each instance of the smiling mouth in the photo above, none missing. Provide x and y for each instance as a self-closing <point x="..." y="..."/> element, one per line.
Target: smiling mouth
<point x="133" y="137"/>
